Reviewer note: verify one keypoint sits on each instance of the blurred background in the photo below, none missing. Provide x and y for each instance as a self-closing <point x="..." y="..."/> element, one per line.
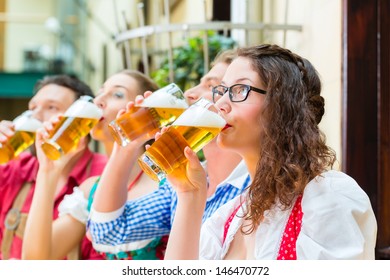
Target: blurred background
<point x="174" y="40"/>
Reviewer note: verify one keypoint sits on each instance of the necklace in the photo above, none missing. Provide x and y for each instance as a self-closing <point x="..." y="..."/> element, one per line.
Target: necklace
<point x="131" y="185"/>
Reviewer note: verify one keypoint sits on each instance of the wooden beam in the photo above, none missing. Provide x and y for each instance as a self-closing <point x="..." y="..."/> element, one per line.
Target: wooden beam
<point x="2" y="35"/>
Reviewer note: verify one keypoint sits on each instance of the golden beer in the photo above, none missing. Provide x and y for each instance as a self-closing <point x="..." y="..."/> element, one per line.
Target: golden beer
<point x="196" y="127"/>
<point x="161" y="108"/>
<point x="77" y="122"/>
<point x="25" y="127"/>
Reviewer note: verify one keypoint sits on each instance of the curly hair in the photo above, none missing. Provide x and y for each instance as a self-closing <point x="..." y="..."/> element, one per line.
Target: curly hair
<point x="292" y="148"/>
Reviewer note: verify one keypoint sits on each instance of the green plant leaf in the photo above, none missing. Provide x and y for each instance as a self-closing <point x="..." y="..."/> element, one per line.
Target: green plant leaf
<point x="188" y="61"/>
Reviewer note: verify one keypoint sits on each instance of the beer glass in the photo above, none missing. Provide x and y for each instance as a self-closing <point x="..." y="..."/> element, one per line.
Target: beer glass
<point x="159" y="109"/>
<point x="77" y="122"/>
<point x="196" y="127"/>
<point x="25" y="127"/>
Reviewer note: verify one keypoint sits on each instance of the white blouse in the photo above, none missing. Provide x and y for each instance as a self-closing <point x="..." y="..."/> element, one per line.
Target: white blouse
<point x="338" y="223"/>
<point x="76" y="205"/>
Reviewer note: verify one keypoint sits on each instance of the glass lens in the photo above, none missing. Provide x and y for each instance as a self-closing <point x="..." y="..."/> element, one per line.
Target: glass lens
<point x="239" y="92"/>
<point x="218" y="92"/>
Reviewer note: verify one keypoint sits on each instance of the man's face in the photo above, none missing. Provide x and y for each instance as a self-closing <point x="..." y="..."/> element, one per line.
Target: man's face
<point x="211" y="79"/>
<point x="50" y="101"/>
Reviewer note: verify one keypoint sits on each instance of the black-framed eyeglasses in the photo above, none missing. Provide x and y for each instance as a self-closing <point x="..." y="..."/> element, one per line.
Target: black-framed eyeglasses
<point x="237" y="92"/>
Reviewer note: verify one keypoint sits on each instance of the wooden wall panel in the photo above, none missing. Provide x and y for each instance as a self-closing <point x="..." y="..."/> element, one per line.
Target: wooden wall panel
<point x="2" y="35"/>
<point x="366" y="104"/>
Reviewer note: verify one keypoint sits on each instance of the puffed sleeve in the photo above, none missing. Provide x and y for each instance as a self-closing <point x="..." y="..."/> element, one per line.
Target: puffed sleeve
<point x="338" y="221"/>
<point x="74" y="204"/>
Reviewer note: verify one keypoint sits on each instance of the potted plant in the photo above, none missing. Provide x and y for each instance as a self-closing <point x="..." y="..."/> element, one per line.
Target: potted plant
<point x="188" y="60"/>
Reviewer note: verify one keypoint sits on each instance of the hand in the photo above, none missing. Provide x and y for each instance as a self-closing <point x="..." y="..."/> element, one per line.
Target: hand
<point x="7" y="130"/>
<point x="195" y="176"/>
<point x="139" y="98"/>
<point x="140" y="141"/>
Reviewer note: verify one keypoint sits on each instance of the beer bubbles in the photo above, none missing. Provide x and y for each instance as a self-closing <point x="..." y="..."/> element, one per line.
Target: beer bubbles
<point x="77" y="122"/>
<point x="24" y="137"/>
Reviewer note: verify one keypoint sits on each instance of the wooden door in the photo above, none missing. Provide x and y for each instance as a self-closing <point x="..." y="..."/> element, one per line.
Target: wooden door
<point x="366" y="102"/>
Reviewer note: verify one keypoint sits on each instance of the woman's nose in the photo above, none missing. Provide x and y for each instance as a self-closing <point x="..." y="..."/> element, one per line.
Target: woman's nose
<point x="99" y="101"/>
<point x="223" y="103"/>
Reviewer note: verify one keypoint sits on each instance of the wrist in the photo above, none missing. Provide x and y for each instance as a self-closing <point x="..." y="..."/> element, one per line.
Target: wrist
<point x="192" y="198"/>
<point x="48" y="172"/>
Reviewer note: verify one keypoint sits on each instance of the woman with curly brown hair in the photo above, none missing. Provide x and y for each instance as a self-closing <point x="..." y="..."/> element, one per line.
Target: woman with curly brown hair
<point x="296" y="207"/>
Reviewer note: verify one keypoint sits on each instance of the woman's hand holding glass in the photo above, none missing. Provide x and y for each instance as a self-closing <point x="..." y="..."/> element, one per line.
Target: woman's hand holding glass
<point x="195" y="175"/>
<point x="139" y="141"/>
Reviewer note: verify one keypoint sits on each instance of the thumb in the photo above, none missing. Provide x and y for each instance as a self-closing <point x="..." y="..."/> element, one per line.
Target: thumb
<point x="193" y="160"/>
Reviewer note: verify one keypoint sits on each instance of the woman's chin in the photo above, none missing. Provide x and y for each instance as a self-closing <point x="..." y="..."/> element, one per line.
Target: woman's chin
<point x="99" y="135"/>
<point x="222" y="141"/>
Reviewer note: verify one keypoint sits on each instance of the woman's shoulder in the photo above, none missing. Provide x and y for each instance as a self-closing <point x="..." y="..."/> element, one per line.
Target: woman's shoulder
<point x="88" y="184"/>
<point x="335" y="187"/>
<point x="332" y="203"/>
<point x="333" y="181"/>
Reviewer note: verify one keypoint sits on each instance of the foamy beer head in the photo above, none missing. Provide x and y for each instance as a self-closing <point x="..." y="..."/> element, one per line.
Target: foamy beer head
<point x="77" y="122"/>
<point x="159" y="109"/>
<point x="169" y="96"/>
<point x="25" y="127"/>
<point x="196" y="127"/>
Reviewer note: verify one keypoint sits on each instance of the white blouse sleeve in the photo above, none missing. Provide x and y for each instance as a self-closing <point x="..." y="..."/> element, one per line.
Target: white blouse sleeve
<point x="338" y="221"/>
<point x="211" y="237"/>
<point x="74" y="204"/>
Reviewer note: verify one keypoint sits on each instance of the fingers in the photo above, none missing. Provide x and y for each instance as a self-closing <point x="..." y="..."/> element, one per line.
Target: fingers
<point x="56" y="119"/>
<point x="158" y="134"/>
<point x="129" y="105"/>
<point x="7" y="130"/>
<point x="139" y="99"/>
<point x="50" y="125"/>
<point x="193" y="159"/>
<point x="147" y="93"/>
<point x="120" y="113"/>
<point x="40" y="135"/>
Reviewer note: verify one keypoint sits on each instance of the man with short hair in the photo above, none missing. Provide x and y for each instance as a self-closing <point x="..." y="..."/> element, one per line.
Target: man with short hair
<point x="53" y="95"/>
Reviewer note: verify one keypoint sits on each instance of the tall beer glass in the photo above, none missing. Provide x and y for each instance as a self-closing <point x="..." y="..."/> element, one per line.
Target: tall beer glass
<point x="196" y="127"/>
<point x="25" y="127"/>
<point x="159" y="109"/>
<point x="77" y="122"/>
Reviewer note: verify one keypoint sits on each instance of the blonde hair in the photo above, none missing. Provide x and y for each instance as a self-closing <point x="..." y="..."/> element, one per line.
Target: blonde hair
<point x="225" y="56"/>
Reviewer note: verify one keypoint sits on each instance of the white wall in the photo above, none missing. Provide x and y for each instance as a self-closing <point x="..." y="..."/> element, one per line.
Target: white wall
<point x="320" y="42"/>
<point x="112" y="19"/>
<point x="25" y="29"/>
